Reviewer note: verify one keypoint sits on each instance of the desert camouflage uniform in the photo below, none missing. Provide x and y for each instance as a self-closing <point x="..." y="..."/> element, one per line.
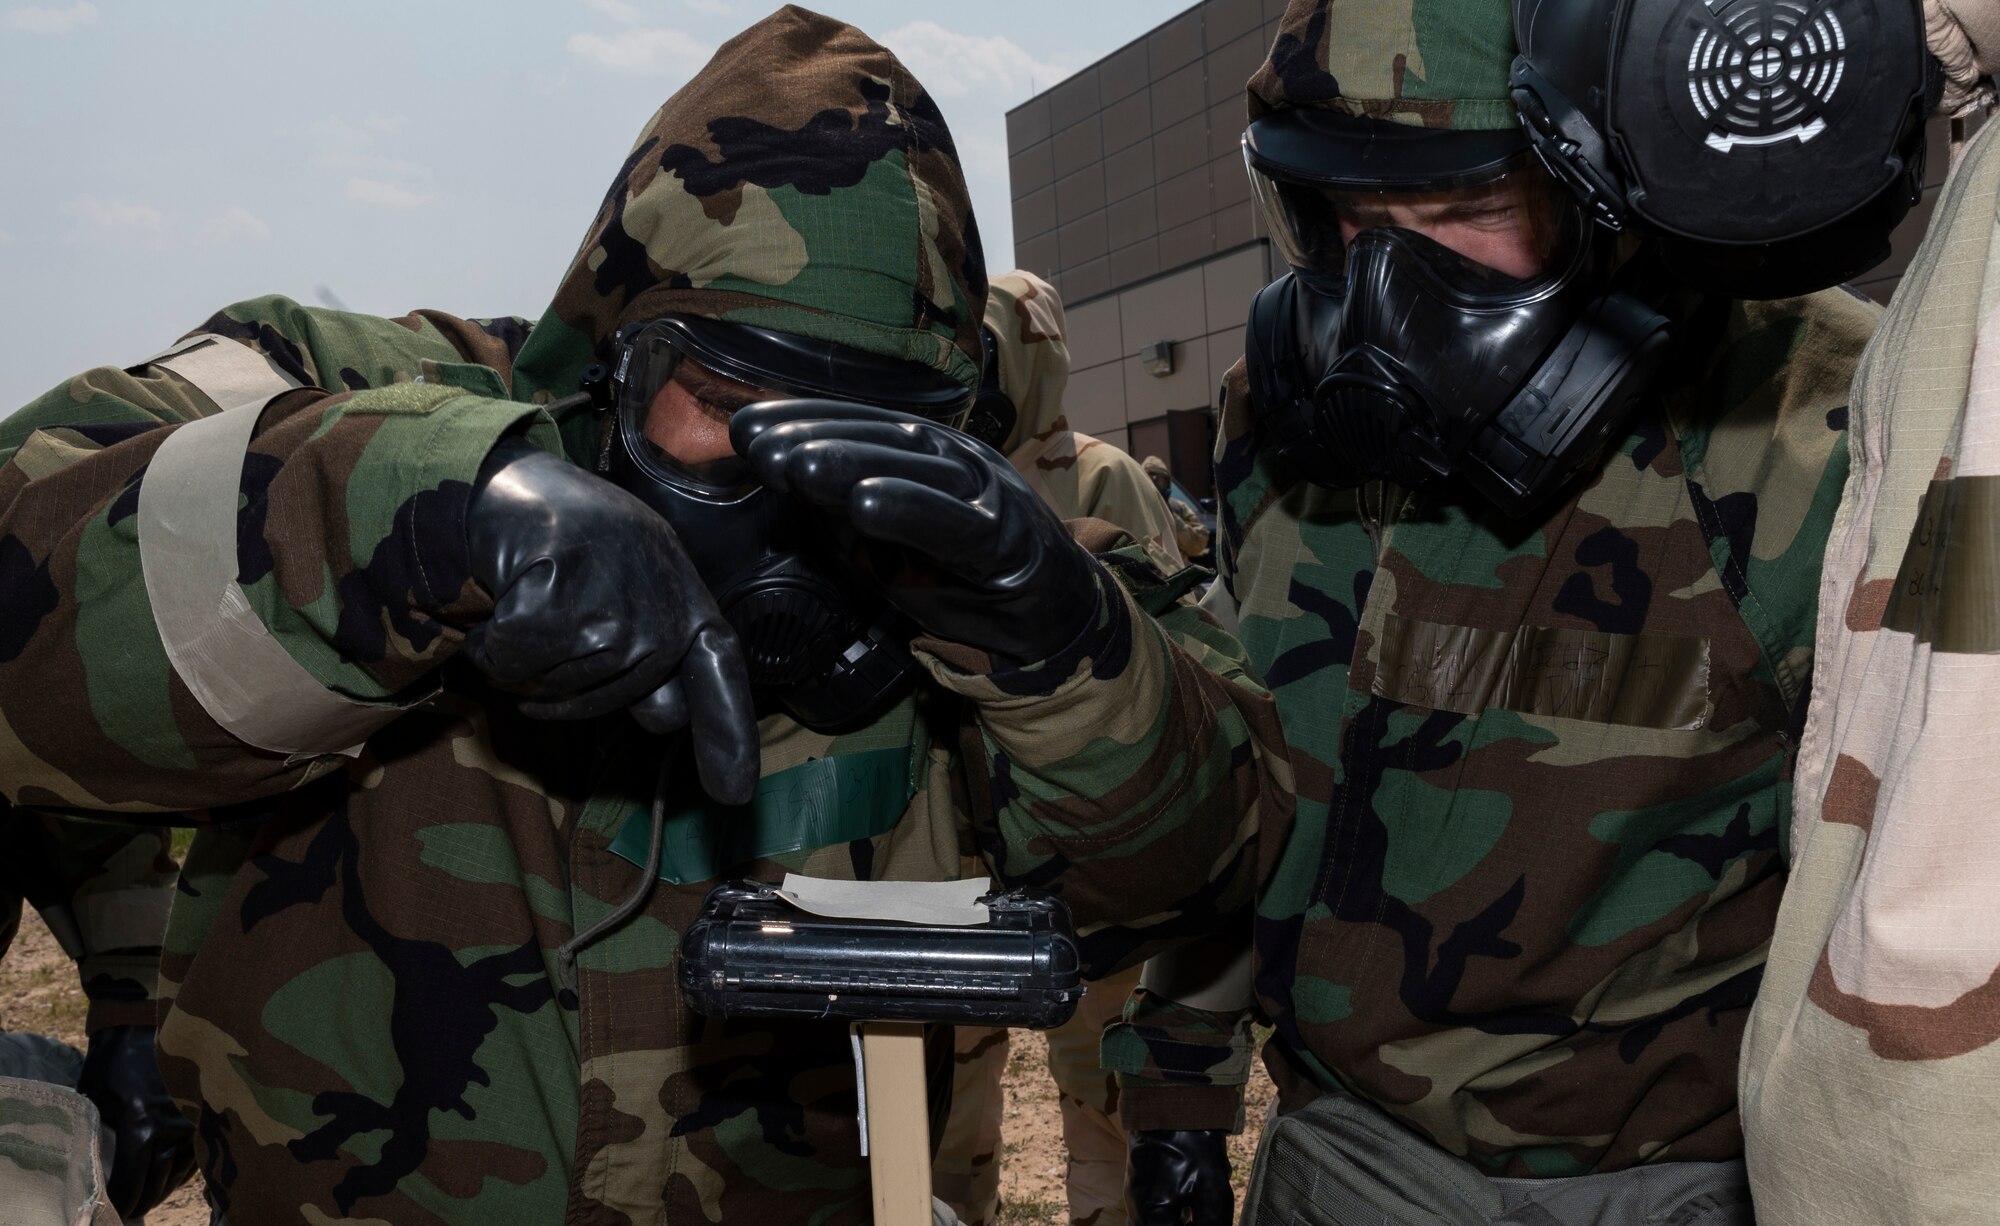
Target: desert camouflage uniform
<point x="1543" y="769"/>
<point x="51" y="1170"/>
<point x="366" y="1015"/>
<point x="1873" y="1052"/>
<point x="1080" y="477"/>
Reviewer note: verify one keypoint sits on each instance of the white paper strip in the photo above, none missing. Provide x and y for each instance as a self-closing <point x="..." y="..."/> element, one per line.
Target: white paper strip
<point x="910" y="902"/>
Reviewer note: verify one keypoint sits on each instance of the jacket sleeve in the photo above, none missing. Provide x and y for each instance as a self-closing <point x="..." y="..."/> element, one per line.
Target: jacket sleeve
<point x="347" y="569"/>
<point x="1139" y="772"/>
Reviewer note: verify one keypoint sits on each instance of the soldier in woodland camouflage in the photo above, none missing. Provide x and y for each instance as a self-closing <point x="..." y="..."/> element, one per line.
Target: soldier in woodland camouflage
<point x="366" y="1016"/>
<point x="1512" y="941"/>
<point x="1080" y="477"/>
<point x="103" y="890"/>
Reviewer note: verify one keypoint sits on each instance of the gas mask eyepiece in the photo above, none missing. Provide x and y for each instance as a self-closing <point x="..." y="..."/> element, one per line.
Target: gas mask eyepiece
<point x="818" y="639"/>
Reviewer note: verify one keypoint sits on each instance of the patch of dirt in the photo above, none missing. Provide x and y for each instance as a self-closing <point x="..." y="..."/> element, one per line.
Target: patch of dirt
<point x="1032" y="1156"/>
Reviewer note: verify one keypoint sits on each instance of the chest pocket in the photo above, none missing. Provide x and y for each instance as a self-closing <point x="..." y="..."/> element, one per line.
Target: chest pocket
<point x="1580" y="708"/>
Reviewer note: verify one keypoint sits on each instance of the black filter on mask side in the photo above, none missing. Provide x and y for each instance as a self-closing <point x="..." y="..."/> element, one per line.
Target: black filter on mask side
<point x="1770" y="147"/>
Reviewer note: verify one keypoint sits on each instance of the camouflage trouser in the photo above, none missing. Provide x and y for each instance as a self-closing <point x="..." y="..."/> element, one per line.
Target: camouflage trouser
<point x="50" y="1170"/>
<point x="37" y="1057"/>
<point x="967" y="1171"/>
<point x="1340" y="1161"/>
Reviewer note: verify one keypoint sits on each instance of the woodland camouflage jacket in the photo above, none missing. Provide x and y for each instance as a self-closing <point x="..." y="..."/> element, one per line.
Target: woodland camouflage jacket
<point x="366" y="1018"/>
<point x="1543" y="771"/>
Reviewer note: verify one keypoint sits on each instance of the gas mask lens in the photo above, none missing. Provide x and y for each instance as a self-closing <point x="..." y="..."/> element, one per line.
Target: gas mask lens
<point x="674" y="414"/>
<point x="1514" y="225"/>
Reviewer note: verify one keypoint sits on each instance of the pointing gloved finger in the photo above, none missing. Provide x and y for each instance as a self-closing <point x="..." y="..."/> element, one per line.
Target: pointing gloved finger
<point x="747" y="424"/>
<point x="825" y="471"/>
<point x="664" y="710"/>
<point x="552" y="661"/>
<point x="722" y="713"/>
<point x="949" y="530"/>
<point x="604" y="695"/>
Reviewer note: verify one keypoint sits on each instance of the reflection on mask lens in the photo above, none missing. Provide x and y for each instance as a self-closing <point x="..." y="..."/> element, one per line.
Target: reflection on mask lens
<point x="1517" y="225"/>
<point x="674" y="414"/>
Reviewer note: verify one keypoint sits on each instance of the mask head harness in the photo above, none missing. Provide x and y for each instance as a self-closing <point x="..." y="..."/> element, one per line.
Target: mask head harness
<point x="993" y="411"/>
<point x="1769" y="147"/>
<point x="818" y="640"/>
<point x="1387" y="354"/>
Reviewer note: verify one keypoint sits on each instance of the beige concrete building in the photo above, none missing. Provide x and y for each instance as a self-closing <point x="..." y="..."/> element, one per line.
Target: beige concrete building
<point x="1129" y="195"/>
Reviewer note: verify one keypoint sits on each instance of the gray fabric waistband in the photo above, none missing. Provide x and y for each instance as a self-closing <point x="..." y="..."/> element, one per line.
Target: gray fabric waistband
<point x="1344" y="1162"/>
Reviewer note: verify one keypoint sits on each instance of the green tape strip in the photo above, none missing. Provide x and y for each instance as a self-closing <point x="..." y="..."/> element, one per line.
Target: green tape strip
<point x="814" y="804"/>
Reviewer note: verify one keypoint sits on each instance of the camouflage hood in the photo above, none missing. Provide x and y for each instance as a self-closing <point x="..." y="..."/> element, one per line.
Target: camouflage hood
<point x="1026" y="317"/>
<point x="802" y="181"/>
<point x="1430" y="63"/>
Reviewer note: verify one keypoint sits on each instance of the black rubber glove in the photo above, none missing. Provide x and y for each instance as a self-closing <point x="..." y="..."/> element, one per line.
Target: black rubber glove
<point x="155" y="1142"/>
<point x="985" y="561"/>
<point x="1180" y="1176"/>
<point x="597" y="608"/>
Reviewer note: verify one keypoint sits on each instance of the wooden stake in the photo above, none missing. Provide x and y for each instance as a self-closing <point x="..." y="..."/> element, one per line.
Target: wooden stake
<point x="899" y="1128"/>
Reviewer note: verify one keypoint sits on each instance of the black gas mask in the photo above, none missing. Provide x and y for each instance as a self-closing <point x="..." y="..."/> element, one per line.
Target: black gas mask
<point x="1768" y="146"/>
<point x="1388" y="354"/>
<point x="818" y="639"/>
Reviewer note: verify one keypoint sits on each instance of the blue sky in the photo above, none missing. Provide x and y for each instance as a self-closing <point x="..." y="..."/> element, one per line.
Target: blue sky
<point x="165" y="159"/>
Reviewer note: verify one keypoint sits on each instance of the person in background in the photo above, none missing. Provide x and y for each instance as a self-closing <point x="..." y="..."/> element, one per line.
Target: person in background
<point x="1190" y="533"/>
<point x="1020" y="411"/>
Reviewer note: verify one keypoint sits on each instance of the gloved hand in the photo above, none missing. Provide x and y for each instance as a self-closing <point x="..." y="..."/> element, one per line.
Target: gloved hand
<point x="1179" y="1176"/>
<point x="597" y="608"/>
<point x="986" y="562"/>
<point x="154" y="1142"/>
<point x="1965" y="37"/>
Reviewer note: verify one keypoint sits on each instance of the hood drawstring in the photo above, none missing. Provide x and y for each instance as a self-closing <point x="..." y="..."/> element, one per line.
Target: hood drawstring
<point x="567" y="952"/>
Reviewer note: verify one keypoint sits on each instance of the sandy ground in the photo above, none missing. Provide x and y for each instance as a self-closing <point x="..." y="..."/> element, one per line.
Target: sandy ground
<point x="1032" y="1157"/>
<point x="39" y="992"/>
